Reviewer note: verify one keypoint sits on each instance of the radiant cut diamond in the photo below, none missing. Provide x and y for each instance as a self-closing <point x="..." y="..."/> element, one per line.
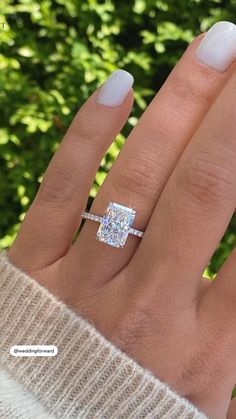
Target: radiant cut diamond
<point x="115" y="225"/>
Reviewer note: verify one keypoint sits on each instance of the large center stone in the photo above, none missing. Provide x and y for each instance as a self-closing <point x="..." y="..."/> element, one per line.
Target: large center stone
<point x="114" y="228"/>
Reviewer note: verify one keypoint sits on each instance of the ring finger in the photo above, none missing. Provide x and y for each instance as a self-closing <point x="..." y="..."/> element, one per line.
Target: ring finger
<point x="152" y="150"/>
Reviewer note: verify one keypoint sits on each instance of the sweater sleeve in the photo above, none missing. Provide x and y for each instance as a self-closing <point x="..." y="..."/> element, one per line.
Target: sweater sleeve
<point x="89" y="377"/>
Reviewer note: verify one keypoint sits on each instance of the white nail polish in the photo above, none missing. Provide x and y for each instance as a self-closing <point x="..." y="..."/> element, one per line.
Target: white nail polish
<point x="218" y="47"/>
<point x="114" y="91"/>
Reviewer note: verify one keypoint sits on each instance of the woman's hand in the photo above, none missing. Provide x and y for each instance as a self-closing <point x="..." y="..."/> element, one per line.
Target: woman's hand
<point x="178" y="170"/>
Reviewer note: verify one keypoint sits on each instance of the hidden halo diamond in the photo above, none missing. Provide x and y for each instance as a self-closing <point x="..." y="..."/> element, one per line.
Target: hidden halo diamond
<point x="115" y="225"/>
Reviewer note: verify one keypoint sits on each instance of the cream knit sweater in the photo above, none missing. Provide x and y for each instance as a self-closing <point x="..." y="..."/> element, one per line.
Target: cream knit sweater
<point x="89" y="378"/>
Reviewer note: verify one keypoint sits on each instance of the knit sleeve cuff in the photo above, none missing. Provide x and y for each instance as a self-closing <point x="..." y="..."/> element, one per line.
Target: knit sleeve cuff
<point x="89" y="377"/>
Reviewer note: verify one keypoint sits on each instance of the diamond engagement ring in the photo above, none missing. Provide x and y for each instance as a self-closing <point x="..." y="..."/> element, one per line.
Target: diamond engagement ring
<point x="115" y="225"/>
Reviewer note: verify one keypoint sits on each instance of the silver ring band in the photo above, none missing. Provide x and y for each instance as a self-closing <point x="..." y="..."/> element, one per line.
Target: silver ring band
<point x="115" y="225"/>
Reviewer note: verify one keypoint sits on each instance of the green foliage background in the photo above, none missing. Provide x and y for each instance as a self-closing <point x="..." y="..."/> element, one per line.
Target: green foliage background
<point x="54" y="53"/>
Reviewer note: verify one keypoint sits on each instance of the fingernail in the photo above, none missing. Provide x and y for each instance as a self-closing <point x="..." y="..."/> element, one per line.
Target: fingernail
<point x="218" y="47"/>
<point x="115" y="89"/>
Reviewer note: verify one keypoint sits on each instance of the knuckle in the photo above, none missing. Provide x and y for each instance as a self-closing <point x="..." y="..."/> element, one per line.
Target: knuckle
<point x="187" y="88"/>
<point x="125" y="336"/>
<point x="138" y="176"/>
<point x="205" y="181"/>
<point x="204" y="368"/>
<point x="134" y="326"/>
<point x="208" y="363"/>
<point x="59" y="187"/>
<point x="86" y="133"/>
<point x="90" y="135"/>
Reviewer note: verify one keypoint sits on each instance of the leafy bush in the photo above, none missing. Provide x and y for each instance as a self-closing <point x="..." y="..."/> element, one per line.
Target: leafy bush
<point x="54" y="53"/>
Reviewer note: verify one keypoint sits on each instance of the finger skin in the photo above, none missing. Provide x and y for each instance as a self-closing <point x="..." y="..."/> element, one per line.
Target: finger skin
<point x="224" y="288"/>
<point x="148" y="157"/>
<point x="54" y="216"/>
<point x="197" y="203"/>
<point x="231" y="414"/>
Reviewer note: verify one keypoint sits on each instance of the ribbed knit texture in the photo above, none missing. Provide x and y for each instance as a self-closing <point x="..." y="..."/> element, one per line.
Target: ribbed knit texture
<point x="90" y="377"/>
<point x="16" y="402"/>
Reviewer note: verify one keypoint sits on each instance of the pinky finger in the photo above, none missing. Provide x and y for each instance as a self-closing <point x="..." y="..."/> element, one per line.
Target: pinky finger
<point x="54" y="216"/>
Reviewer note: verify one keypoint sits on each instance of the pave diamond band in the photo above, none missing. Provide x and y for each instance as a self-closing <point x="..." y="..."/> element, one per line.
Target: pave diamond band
<point x="92" y="217"/>
<point x="135" y="232"/>
<point x="115" y="225"/>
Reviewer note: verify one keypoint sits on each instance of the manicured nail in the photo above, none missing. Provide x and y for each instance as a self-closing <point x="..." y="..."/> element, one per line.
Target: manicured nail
<point x="218" y="47"/>
<point x="114" y="91"/>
